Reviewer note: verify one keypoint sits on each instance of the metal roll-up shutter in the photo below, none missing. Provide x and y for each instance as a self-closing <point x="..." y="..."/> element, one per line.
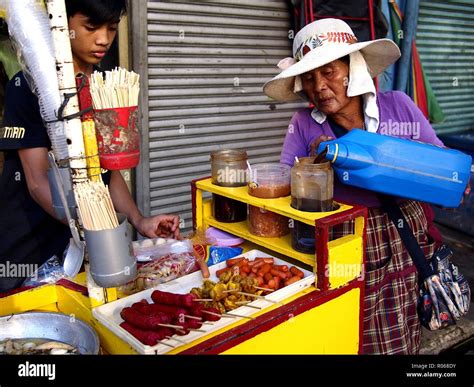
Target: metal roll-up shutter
<point x="206" y="64"/>
<point x="445" y="40"/>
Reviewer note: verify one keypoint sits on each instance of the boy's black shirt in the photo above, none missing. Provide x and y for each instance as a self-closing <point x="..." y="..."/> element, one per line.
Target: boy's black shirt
<point x="28" y="234"/>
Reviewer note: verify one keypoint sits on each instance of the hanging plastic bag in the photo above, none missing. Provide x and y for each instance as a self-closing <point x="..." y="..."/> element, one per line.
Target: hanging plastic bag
<point x="444" y="297"/>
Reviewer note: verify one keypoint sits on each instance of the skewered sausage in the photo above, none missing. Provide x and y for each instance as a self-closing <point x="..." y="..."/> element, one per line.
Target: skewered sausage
<point x="143" y="321"/>
<point x="222" y="271"/>
<point x="279" y="273"/>
<point x="173" y="312"/>
<point x="196" y="310"/>
<point x="283" y="268"/>
<point x="185" y="300"/>
<point x="145" y="336"/>
<point x="295" y="271"/>
<point x="267" y="277"/>
<point x="292" y="280"/>
<point x="193" y="324"/>
<point x="266" y="260"/>
<point x="233" y="261"/>
<point x="211" y="317"/>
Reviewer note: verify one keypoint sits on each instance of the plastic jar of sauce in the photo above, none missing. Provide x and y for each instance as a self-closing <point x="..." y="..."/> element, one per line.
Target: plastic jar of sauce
<point x="269" y="181"/>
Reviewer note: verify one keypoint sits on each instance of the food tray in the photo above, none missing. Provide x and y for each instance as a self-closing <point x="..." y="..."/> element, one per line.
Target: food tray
<point x="109" y="314"/>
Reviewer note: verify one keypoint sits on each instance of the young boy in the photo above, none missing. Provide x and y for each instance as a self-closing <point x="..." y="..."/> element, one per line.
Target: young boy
<point x="29" y="231"/>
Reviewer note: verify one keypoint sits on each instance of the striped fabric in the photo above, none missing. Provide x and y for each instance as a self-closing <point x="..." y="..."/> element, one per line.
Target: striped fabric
<point x="391" y="324"/>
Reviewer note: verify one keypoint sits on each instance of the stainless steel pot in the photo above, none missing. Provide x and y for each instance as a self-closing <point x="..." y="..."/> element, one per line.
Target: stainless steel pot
<point x="51" y="326"/>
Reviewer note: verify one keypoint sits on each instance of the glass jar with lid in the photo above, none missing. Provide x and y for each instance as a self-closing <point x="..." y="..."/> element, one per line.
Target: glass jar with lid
<point x="312" y="188"/>
<point x="229" y="169"/>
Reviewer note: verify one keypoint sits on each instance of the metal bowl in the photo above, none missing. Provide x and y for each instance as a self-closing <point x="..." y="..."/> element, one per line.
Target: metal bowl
<point x="50" y="326"/>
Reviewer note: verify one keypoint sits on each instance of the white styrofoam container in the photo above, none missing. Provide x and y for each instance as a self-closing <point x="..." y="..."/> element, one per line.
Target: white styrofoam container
<point x="109" y="314"/>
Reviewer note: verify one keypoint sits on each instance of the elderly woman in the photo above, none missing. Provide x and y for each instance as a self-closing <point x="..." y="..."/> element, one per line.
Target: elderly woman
<point x="334" y="73"/>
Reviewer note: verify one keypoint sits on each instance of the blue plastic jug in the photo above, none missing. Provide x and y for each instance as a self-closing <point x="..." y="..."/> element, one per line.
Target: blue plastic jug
<point x="399" y="167"/>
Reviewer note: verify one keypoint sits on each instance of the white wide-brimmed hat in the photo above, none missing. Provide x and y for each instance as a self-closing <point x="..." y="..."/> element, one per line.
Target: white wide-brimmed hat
<point x="320" y="43"/>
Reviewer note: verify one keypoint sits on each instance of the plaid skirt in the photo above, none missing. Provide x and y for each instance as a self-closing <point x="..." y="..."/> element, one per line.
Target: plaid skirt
<point x="391" y="324"/>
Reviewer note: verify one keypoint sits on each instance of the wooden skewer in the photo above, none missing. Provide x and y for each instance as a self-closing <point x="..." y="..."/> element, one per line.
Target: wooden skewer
<point x="237" y="315"/>
<point x="196" y="330"/>
<point x="177" y="327"/>
<point x="259" y="297"/>
<point x="228" y="315"/>
<point x="193" y="317"/>
<point x="266" y="289"/>
<point x="176" y="339"/>
<point x="212" y="313"/>
<point x="245" y="303"/>
<point x="169" y="345"/>
<point x="203" y="299"/>
<point x="230" y="291"/>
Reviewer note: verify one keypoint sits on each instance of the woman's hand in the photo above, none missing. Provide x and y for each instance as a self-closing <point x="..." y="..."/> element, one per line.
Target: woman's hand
<point x="163" y="226"/>
<point x="315" y="144"/>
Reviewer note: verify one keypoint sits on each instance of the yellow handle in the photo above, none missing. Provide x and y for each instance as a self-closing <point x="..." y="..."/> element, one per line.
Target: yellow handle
<point x="92" y="150"/>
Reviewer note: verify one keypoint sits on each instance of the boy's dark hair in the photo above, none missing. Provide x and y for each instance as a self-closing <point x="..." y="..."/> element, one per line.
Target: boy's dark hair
<point x="99" y="12"/>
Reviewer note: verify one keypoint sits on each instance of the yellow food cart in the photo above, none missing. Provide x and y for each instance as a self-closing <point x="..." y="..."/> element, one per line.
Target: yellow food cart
<point x="323" y="317"/>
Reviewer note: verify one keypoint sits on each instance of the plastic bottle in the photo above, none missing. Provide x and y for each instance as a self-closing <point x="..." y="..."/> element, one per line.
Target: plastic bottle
<point x="400" y="167"/>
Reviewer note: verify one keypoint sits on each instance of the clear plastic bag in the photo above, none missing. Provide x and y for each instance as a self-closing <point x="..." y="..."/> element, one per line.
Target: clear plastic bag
<point x="147" y="250"/>
<point x="48" y="273"/>
<point x="167" y="262"/>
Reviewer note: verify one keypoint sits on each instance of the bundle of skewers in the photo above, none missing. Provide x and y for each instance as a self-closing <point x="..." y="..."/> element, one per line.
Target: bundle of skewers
<point x="120" y="88"/>
<point x="95" y="206"/>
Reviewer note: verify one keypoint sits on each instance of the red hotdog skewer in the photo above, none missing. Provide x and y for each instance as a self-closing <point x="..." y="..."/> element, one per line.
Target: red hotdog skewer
<point x="185" y="300"/>
<point x="173" y="311"/>
<point x="142" y="321"/>
<point x="147" y="337"/>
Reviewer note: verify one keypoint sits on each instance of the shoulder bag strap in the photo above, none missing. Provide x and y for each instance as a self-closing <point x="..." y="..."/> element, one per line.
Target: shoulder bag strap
<point x="395" y="214"/>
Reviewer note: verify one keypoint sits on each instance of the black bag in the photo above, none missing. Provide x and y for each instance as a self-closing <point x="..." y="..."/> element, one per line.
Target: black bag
<point x="445" y="295"/>
<point x="448" y="300"/>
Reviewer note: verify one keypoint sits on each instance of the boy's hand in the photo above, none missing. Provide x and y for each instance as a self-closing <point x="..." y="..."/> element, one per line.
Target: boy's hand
<point x="163" y="226"/>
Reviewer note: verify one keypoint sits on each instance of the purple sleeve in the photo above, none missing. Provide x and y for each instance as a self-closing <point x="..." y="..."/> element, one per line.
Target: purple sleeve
<point x="295" y="144"/>
<point x="426" y="132"/>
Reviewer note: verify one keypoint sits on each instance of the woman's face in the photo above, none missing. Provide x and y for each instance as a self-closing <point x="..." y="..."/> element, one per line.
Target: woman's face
<point x="326" y="86"/>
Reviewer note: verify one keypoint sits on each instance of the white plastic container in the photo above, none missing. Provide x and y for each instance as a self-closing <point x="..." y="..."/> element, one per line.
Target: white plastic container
<point x="109" y="314"/>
